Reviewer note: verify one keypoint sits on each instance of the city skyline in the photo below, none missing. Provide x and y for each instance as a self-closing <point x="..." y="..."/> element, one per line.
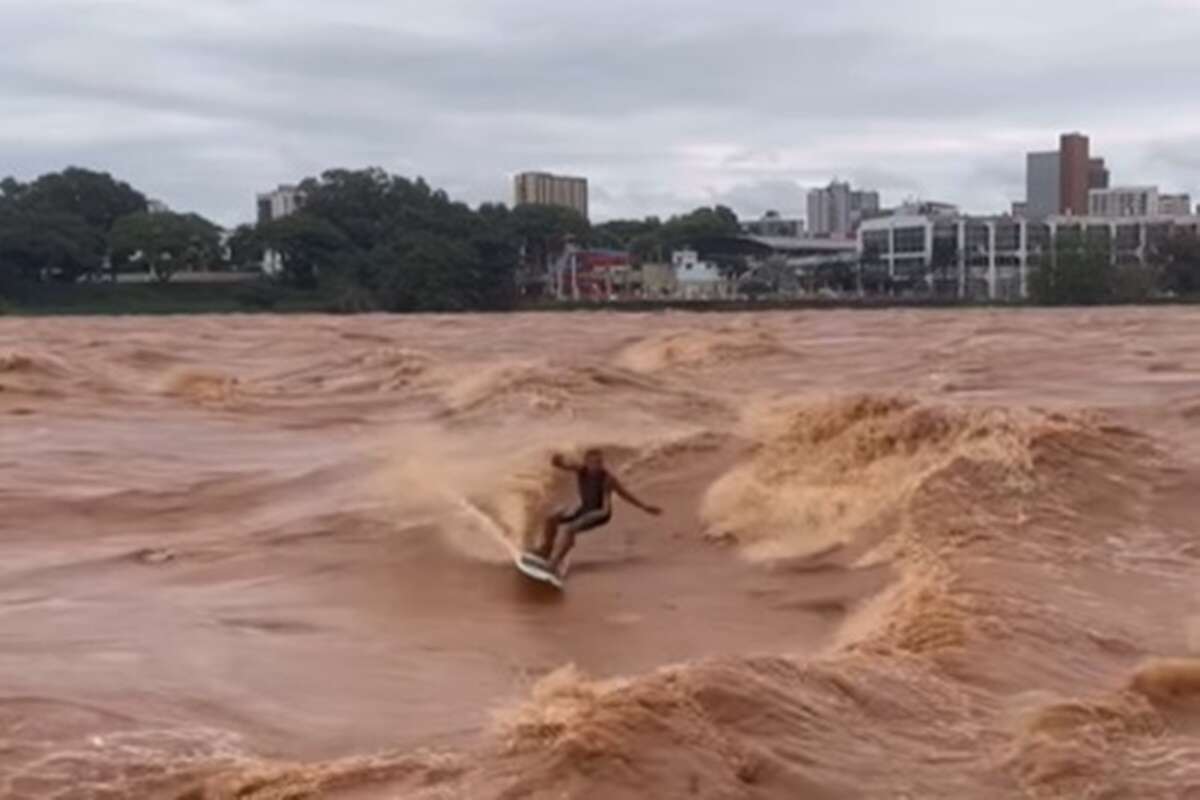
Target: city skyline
<point x="220" y="100"/>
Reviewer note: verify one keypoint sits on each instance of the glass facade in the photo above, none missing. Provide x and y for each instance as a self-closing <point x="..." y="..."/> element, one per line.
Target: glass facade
<point x="910" y="240"/>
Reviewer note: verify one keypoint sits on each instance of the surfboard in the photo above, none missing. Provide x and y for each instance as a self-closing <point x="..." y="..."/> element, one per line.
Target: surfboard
<point x="536" y="568"/>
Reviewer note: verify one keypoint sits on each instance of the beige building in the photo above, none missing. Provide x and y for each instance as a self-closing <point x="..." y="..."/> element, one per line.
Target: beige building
<point x="544" y="189"/>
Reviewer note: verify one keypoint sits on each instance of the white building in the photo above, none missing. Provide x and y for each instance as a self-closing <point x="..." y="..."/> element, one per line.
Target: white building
<point x="280" y="203"/>
<point x="1123" y="201"/>
<point x="157" y="207"/>
<point x="283" y="202"/>
<point x="696" y="279"/>
<point x="990" y="258"/>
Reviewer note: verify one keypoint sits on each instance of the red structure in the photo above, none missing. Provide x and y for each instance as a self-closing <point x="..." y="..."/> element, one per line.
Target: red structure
<point x="1074" y="174"/>
<point x="595" y="274"/>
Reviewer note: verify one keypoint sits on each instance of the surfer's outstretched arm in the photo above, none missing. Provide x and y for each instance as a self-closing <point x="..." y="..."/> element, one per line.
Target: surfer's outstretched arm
<point x="564" y="463"/>
<point x="630" y="498"/>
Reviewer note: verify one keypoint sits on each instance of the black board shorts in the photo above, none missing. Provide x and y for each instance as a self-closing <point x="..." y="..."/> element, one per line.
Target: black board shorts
<point x="583" y="519"/>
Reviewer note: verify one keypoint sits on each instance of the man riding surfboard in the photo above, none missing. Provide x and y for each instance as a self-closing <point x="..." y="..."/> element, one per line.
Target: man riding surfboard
<point x="596" y="486"/>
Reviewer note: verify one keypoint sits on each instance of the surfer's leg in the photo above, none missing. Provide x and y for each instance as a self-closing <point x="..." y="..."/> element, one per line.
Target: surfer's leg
<point x="550" y="532"/>
<point x="566" y="541"/>
<point x="575" y="526"/>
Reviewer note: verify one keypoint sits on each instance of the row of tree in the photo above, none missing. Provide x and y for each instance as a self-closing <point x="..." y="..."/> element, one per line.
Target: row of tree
<point x="77" y="223"/>
<point x="371" y="240"/>
<point x="379" y="241"/>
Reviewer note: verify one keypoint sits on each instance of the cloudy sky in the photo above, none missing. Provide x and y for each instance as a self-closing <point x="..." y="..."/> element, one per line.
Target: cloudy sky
<point x="664" y="104"/>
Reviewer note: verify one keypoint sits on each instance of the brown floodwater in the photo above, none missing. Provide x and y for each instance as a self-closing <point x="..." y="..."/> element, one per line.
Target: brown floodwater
<point x="904" y="554"/>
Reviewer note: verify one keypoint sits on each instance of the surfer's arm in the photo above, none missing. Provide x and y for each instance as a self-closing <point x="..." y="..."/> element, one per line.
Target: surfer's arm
<point x="564" y="463"/>
<point x="630" y="498"/>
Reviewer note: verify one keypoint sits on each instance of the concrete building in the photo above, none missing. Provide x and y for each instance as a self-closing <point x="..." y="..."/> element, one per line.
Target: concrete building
<point x="1124" y="201"/>
<point x="991" y="258"/>
<point x="1042" y="185"/>
<point x="544" y="189"/>
<point x="1174" y="205"/>
<point x="772" y="224"/>
<point x="282" y="202"/>
<point x="837" y="210"/>
<point x="697" y="279"/>
<point x="1020" y="209"/>
<point x="1058" y="181"/>
<point x="1074" y="171"/>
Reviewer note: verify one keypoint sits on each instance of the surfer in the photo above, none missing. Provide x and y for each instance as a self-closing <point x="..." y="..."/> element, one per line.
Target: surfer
<point x="596" y="488"/>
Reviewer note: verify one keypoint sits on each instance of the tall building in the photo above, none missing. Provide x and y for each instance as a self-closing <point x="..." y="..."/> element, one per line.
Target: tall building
<point x="838" y="210"/>
<point x="544" y="189"/>
<point x="1043" y="184"/>
<point x="1097" y="174"/>
<point x="280" y="203"/>
<point x="1074" y="169"/>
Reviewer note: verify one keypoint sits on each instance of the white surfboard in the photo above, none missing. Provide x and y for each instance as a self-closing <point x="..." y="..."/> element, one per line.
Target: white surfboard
<point x="538" y="569"/>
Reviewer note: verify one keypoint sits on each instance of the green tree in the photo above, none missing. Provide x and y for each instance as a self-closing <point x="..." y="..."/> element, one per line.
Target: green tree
<point x="1179" y="261"/>
<point x="245" y="249"/>
<point x="1079" y="271"/>
<point x="38" y="244"/>
<point x="98" y="198"/>
<point x="307" y="245"/>
<point x="543" y="232"/>
<point x="165" y="242"/>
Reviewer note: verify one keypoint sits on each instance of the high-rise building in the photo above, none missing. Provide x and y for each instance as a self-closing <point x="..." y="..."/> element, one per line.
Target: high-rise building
<point x="1074" y="169"/>
<point x="1097" y="174"/>
<point x="838" y="210"/>
<point x="1043" y="184"/>
<point x="544" y="189"/>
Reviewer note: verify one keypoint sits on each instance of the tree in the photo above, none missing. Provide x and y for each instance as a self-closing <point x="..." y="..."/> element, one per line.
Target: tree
<point x="38" y="245"/>
<point x="96" y="197"/>
<point x="165" y="242"/>
<point x="1179" y="260"/>
<point x="1079" y="271"/>
<point x="245" y="249"/>
<point x="307" y="245"/>
<point x="543" y="232"/>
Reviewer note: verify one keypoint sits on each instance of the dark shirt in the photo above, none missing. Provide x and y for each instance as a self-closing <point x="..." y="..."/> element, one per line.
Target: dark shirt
<point x="593" y="489"/>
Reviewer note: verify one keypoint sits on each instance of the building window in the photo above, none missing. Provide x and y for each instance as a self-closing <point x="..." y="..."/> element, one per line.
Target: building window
<point x="876" y="243"/>
<point x="1008" y="237"/>
<point x="910" y="240"/>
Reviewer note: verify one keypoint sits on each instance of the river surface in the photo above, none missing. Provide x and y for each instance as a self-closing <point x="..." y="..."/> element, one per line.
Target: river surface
<point x="904" y="554"/>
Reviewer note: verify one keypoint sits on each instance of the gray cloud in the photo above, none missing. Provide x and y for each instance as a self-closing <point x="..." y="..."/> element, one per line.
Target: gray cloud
<point x="664" y="104"/>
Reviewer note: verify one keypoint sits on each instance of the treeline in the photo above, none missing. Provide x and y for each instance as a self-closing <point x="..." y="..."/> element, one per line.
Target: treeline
<point x="77" y="223"/>
<point x="1082" y="270"/>
<point x="378" y="241"/>
<point x="363" y="239"/>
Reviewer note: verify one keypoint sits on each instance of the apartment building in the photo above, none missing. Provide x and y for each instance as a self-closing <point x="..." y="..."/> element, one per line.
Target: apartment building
<point x="545" y="189"/>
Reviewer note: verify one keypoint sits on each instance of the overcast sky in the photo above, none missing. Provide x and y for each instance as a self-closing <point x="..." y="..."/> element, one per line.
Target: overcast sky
<point x="664" y="104"/>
